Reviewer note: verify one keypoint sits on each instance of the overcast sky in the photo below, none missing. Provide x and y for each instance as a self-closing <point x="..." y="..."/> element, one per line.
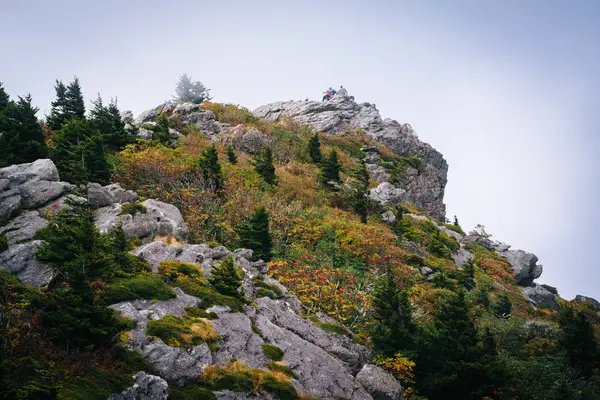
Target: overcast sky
<point x="508" y="91"/>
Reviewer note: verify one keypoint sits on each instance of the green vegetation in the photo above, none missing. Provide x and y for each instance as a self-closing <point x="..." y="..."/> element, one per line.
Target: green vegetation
<point x="314" y="149"/>
<point x="332" y="327"/>
<point x="191" y="392"/>
<point x="281" y="367"/>
<point x="143" y="286"/>
<point x="210" y="168"/>
<point x="263" y="164"/>
<point x="455" y="228"/>
<point x="255" y="235"/>
<point x="184" y="331"/>
<point x="330" y="169"/>
<point x="133" y="208"/>
<point x="3" y="243"/>
<point x="231" y="156"/>
<point x="226" y="278"/>
<point x="266" y="289"/>
<point x="272" y="352"/>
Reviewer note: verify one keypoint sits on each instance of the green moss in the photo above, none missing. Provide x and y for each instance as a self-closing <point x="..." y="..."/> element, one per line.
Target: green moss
<point x="272" y="352"/>
<point x="455" y="228"/>
<point x="283" y="390"/>
<point x="280" y="367"/>
<point x="256" y="330"/>
<point x="266" y="289"/>
<point x="133" y="208"/>
<point x="143" y="286"/>
<point x="332" y="327"/>
<point x="3" y="243"/>
<point x="193" y="392"/>
<point x="200" y="313"/>
<point x="235" y="381"/>
<point x="209" y="296"/>
<point x="180" y="332"/>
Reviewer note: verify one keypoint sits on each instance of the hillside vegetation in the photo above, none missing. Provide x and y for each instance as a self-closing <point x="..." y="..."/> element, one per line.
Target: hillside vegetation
<point x="300" y="200"/>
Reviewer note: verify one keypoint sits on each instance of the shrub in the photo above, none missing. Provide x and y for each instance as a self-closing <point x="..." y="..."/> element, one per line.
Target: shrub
<point x="208" y="295"/>
<point x="226" y="277"/>
<point x="192" y="392"/>
<point x="200" y="313"/>
<point x="281" y="367"/>
<point x="144" y="286"/>
<point x="133" y="208"/>
<point x="173" y="270"/>
<point x="231" y="156"/>
<point x="455" y="228"/>
<point x="229" y="113"/>
<point x="3" y="243"/>
<point x="266" y="289"/>
<point x="332" y="327"/>
<point x="263" y="164"/>
<point x="272" y="352"/>
<point x="187" y="331"/>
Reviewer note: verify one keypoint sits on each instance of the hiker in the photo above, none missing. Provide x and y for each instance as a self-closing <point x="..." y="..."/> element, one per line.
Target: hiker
<point x="333" y="91"/>
<point x="327" y="94"/>
<point x="343" y="92"/>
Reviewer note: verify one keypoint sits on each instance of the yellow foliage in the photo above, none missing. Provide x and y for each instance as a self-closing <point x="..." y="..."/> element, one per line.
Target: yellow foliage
<point x="399" y="366"/>
<point x="168" y="240"/>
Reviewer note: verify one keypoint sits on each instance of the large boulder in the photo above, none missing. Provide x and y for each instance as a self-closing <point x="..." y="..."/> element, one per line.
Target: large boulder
<point x="379" y="383"/>
<point x="21" y="260"/>
<point x="158" y="219"/>
<point x="98" y="196"/>
<point x="146" y="387"/>
<point x="250" y="141"/>
<point x="22" y="228"/>
<point x="425" y="188"/>
<point x="185" y="114"/>
<point x="388" y="194"/>
<point x="461" y="257"/>
<point x="539" y="296"/>
<point x="524" y="266"/>
<point x="583" y="299"/>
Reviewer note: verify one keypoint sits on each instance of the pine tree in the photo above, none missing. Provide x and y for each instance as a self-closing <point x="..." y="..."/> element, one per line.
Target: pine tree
<point x="22" y="139"/>
<point x="226" y="277"/>
<point x="69" y="104"/>
<point x="314" y="149"/>
<point x="361" y="199"/>
<point x="231" y="156"/>
<point x="467" y="275"/>
<point x="80" y="154"/>
<point x="263" y="164"/>
<point x="74" y="103"/>
<point x="107" y="120"/>
<point x="255" y="235"/>
<point x="393" y="329"/>
<point x="503" y="306"/>
<point x="577" y="339"/>
<point x="192" y="91"/>
<point x="456" y="221"/>
<point x="210" y="167"/>
<point x="160" y="131"/>
<point x="330" y="169"/>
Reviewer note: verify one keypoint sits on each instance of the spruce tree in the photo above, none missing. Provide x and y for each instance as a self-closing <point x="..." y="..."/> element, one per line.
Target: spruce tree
<point x="314" y="149"/>
<point x="22" y="138"/>
<point x="467" y="275"/>
<point x="211" y="169"/>
<point x="330" y="169"/>
<point x="107" y="120"/>
<point x="74" y="103"/>
<point x="361" y="199"/>
<point x="58" y="111"/>
<point x="393" y="329"/>
<point x="456" y="221"/>
<point x="578" y="340"/>
<point x="192" y="91"/>
<point x="263" y="164"/>
<point x="226" y="277"/>
<point x="80" y="154"/>
<point x="255" y="235"/>
<point x="160" y="131"/>
<point x="503" y="306"/>
<point x="231" y="156"/>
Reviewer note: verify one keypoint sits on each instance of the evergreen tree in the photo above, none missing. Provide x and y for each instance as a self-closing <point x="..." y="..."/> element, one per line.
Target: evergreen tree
<point x="361" y="192"/>
<point x="263" y="164"/>
<point x="577" y="339"/>
<point x="467" y="275"/>
<point x="160" y="131"/>
<point x="22" y="139"/>
<point x="393" y="329"/>
<point x="255" y="235"/>
<point x="210" y="167"/>
<point x="231" y="156"/>
<point x="456" y="221"/>
<point x="314" y="149"/>
<point x="330" y="169"/>
<point x="503" y="306"/>
<point x="79" y="153"/>
<point x="69" y="104"/>
<point x="107" y="120"/>
<point x="226" y="277"/>
<point x="192" y="91"/>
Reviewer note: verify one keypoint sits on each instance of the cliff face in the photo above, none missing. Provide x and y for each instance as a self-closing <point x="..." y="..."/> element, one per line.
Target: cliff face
<point x="423" y="186"/>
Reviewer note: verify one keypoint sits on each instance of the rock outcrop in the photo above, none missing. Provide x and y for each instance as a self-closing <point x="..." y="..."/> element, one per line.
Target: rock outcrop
<point x="424" y="187"/>
<point x="583" y="299"/>
<point x="539" y="296"/>
<point x="327" y="365"/>
<point x="146" y="387"/>
<point x="185" y="114"/>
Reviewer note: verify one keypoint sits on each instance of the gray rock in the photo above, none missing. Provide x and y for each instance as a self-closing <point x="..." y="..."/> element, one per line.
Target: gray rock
<point x="22" y="228"/>
<point x="388" y="217"/>
<point x="35" y="194"/>
<point x="243" y="253"/>
<point x="539" y="295"/>
<point x="120" y="195"/>
<point x="157" y="252"/>
<point x="251" y="141"/>
<point x="339" y="115"/>
<point x="98" y="196"/>
<point x="378" y="173"/>
<point x="10" y="202"/>
<point x="4" y="184"/>
<point x="186" y="114"/>
<point x="524" y="266"/>
<point x="379" y="383"/>
<point x="449" y="232"/>
<point x="159" y="219"/>
<point x="582" y="299"/>
<point x="146" y="387"/>
<point x="388" y="194"/>
<point x="461" y="257"/>
<point x="20" y="259"/>
<point x="426" y="271"/>
<point x="145" y="133"/>
<point x="229" y="395"/>
<point x="239" y="341"/>
<point x="40" y="170"/>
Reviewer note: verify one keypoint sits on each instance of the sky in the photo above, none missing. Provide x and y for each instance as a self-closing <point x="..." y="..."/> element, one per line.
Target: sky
<point x="508" y="91"/>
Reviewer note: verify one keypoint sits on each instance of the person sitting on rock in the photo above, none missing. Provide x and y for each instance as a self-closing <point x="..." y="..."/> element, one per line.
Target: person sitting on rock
<point x="343" y="92"/>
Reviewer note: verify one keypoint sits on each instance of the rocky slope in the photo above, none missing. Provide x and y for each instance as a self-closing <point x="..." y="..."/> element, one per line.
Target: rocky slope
<point x="422" y="186"/>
